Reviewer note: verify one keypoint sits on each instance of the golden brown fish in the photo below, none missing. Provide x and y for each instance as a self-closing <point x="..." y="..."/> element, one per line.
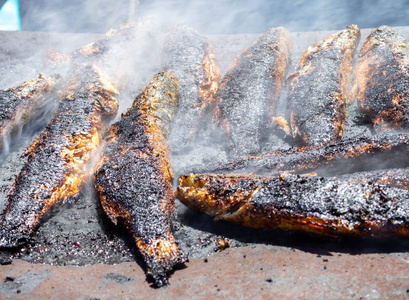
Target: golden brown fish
<point x="133" y="180"/>
<point x="318" y="89"/>
<point x="381" y="79"/>
<point x="311" y="204"/>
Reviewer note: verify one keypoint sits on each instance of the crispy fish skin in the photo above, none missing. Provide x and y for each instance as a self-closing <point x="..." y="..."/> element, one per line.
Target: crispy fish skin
<point x="20" y="104"/>
<point x="310" y="204"/>
<point x="318" y="89"/>
<point x="133" y="178"/>
<point x="56" y="165"/>
<point x="381" y="79"/>
<point x="189" y="56"/>
<point x="349" y="155"/>
<point x="249" y="90"/>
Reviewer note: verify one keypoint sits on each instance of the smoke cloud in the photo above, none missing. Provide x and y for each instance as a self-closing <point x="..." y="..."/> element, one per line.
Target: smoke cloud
<point x="213" y="17"/>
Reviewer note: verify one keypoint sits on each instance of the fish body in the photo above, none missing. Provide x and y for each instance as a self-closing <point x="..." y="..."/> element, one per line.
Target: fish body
<point x="248" y="92"/>
<point x="317" y="91"/>
<point x="190" y="57"/>
<point x="21" y="104"/>
<point x="381" y="79"/>
<point x="311" y="204"/>
<point x="57" y="160"/>
<point x="345" y="156"/>
<point x="133" y="178"/>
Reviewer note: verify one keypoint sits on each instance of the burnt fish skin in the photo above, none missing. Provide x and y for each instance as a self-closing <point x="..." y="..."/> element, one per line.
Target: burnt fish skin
<point x="317" y="92"/>
<point x="382" y="78"/>
<point x="21" y="104"/>
<point x="248" y="92"/>
<point x="311" y="204"/>
<point x="190" y="57"/>
<point x="134" y="174"/>
<point x="56" y="163"/>
<point x="345" y="156"/>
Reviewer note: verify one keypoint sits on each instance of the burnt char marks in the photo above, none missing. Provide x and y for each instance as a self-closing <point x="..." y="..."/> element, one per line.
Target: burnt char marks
<point x="323" y="206"/>
<point x="55" y="168"/>
<point x="318" y="89"/>
<point x="382" y="79"/>
<point x="189" y="56"/>
<point x="21" y="104"/>
<point x="248" y="92"/>
<point x="134" y="176"/>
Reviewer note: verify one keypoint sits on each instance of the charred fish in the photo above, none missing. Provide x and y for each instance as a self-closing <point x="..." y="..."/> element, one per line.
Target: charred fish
<point x="133" y="179"/>
<point x="56" y="164"/>
<point x="381" y="79"/>
<point x="310" y="204"/>
<point x="248" y="92"/>
<point x="345" y="156"/>
<point x="317" y="91"/>
<point x="189" y="56"/>
<point x="21" y="104"/>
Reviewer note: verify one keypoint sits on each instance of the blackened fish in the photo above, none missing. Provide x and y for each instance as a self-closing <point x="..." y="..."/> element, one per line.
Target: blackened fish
<point x="318" y="89"/>
<point x="311" y="204"/>
<point x="381" y="84"/>
<point x="189" y="56"/>
<point x="133" y="180"/>
<point x="249" y="90"/>
<point x="391" y="177"/>
<point x="346" y="156"/>
<point x="56" y="165"/>
<point x="20" y="105"/>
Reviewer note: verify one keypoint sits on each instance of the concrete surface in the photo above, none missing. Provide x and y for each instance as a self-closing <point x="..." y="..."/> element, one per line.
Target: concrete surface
<point x="259" y="272"/>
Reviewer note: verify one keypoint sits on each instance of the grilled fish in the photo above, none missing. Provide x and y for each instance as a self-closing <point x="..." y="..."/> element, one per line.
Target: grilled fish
<point x="21" y="104"/>
<point x="189" y="56"/>
<point x="311" y="204"/>
<point x="346" y="156"/>
<point x="318" y="90"/>
<point x="56" y="164"/>
<point x="133" y="179"/>
<point x="390" y="177"/>
<point x="249" y="90"/>
<point x="381" y="79"/>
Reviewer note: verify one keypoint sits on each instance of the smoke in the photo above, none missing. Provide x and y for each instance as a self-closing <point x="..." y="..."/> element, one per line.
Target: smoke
<point x="213" y="17"/>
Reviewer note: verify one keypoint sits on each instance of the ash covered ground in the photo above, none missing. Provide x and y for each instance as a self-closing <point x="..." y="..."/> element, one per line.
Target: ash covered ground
<point x="79" y="232"/>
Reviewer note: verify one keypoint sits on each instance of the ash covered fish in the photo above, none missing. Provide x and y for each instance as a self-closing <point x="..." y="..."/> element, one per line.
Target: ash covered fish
<point x="310" y="204"/>
<point x="20" y="105"/>
<point x="381" y="79"/>
<point x="189" y="56"/>
<point x="380" y="151"/>
<point x="317" y="92"/>
<point x="133" y="179"/>
<point x="395" y="177"/>
<point x="248" y="92"/>
<point x="57" y="161"/>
